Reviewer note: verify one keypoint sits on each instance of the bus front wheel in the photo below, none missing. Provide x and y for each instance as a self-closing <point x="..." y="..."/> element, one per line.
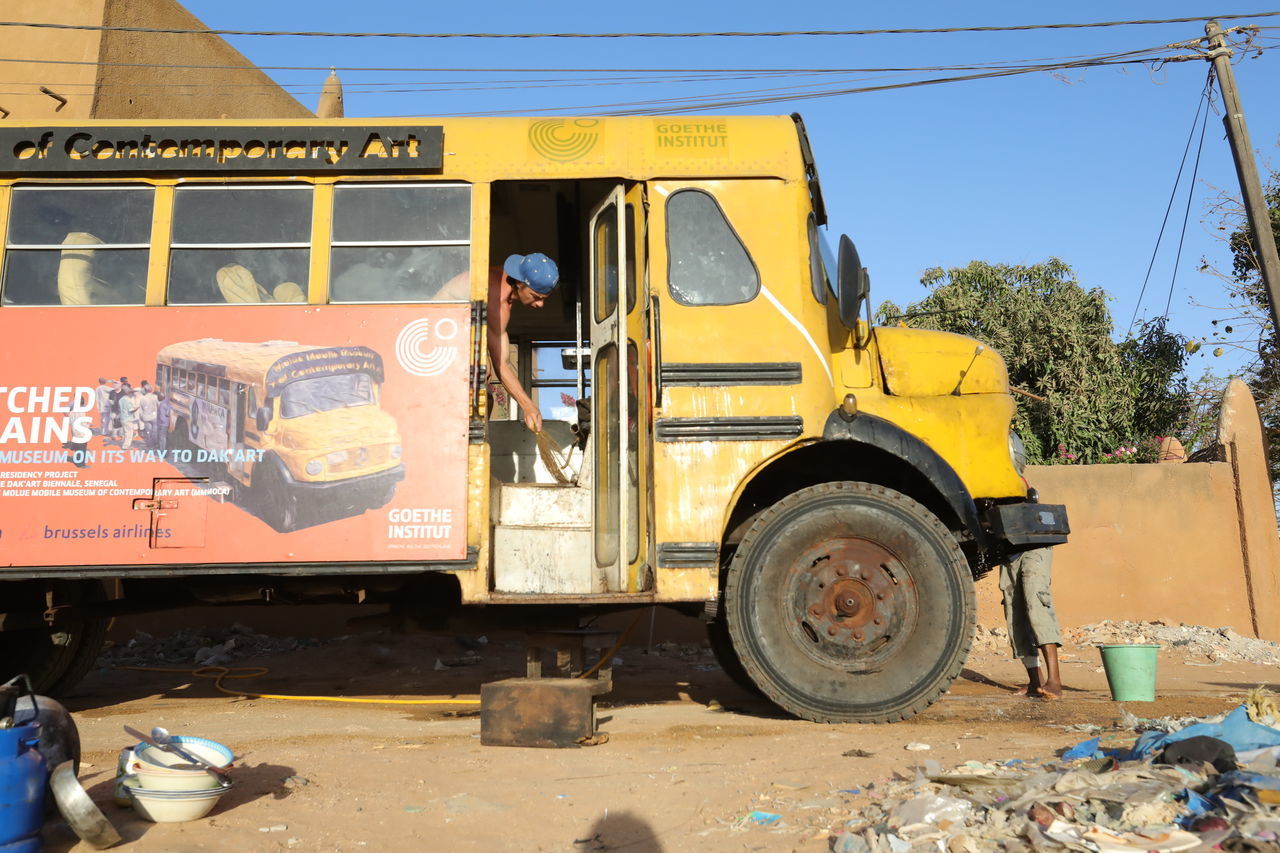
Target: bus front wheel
<point x="850" y="602"/>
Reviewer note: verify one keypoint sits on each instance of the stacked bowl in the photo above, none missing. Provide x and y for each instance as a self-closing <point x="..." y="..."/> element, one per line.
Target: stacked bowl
<point x="166" y="788"/>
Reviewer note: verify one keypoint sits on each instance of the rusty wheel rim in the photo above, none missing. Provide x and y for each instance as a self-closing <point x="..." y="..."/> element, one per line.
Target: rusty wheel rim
<point x="851" y="603"/>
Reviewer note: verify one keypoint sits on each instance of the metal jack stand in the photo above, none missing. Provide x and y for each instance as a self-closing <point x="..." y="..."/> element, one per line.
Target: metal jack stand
<point x="548" y="712"/>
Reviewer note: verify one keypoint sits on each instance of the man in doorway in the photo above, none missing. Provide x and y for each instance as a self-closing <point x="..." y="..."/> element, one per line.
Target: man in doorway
<point x="1033" y="623"/>
<point x="526" y="280"/>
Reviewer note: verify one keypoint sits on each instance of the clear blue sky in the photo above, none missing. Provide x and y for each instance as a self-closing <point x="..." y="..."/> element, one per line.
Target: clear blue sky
<point x="1077" y="165"/>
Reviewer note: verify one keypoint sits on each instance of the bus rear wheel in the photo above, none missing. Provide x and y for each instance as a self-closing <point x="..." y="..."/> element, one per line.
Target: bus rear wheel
<point x="850" y="602"/>
<point x="54" y="657"/>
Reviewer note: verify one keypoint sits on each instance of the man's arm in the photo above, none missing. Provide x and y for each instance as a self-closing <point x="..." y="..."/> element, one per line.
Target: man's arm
<point x="499" y="346"/>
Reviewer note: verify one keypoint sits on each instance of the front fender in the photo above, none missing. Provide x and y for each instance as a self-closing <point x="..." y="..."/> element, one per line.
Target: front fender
<point x="883" y="435"/>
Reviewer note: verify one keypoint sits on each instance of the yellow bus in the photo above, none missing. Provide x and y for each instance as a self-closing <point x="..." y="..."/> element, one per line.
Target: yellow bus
<point x="734" y="438"/>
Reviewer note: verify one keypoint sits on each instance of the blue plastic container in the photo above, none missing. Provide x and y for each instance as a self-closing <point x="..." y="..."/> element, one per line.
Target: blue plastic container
<point x="23" y="780"/>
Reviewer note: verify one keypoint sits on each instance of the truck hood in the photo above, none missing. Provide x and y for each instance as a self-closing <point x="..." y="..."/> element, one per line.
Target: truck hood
<point x="925" y="363"/>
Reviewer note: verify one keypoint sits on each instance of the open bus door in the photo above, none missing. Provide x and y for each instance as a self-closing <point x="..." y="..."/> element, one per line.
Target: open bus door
<point x="619" y="378"/>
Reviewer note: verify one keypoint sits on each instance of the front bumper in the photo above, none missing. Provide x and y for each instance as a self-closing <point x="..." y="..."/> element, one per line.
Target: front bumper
<point x="1024" y="526"/>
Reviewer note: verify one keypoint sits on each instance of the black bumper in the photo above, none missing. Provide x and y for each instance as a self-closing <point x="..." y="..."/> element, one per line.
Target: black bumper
<point x="1024" y="526"/>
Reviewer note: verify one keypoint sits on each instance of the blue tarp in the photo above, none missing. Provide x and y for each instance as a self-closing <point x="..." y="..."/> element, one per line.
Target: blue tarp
<point x="1236" y="729"/>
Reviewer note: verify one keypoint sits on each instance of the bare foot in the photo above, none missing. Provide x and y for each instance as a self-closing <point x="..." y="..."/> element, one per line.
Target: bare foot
<point x="1049" y="691"/>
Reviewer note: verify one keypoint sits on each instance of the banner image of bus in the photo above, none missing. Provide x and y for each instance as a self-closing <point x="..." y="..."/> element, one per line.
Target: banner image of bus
<point x="206" y="438"/>
<point x="298" y="429"/>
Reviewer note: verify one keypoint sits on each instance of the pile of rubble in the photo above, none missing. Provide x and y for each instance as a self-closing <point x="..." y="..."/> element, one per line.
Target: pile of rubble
<point x="199" y="646"/>
<point x="1216" y="644"/>
<point x="1211" y="644"/>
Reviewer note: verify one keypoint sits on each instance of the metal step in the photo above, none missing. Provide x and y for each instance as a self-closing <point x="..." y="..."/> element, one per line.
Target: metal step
<point x="542" y="559"/>
<point x="543" y="505"/>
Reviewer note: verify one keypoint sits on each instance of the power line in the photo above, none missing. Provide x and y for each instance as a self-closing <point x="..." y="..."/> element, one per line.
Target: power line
<point x="679" y="105"/>
<point x="1201" y="103"/>
<point x="1191" y="188"/>
<point x="654" y="35"/>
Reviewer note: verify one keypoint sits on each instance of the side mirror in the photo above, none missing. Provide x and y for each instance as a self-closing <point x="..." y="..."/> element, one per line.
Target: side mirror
<point x="853" y="285"/>
<point x="263" y="418"/>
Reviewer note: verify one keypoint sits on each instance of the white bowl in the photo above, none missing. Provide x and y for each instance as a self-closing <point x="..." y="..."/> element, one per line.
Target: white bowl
<point x="173" y="806"/>
<point x="209" y="750"/>
<point x="159" y="779"/>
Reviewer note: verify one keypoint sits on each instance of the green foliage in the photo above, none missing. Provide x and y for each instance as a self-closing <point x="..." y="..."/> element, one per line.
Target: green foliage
<point x="1249" y="292"/>
<point x="1055" y="337"/>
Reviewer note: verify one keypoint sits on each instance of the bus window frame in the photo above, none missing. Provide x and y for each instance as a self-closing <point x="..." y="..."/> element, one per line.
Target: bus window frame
<point x="9" y="247"/>
<point x="223" y="186"/>
<point x="375" y="244"/>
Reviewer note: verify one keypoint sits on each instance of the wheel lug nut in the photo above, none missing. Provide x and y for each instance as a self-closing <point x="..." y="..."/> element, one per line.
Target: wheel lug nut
<point x="833" y="630"/>
<point x="842" y="571"/>
<point x="858" y="637"/>
<point x="880" y="596"/>
<point x="815" y="610"/>
<point x="877" y="621"/>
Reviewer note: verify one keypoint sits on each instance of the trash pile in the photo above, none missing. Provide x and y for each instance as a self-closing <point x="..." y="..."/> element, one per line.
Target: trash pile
<point x="1212" y="784"/>
<point x="199" y="646"/>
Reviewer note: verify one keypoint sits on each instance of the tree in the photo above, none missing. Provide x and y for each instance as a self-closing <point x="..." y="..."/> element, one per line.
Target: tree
<point x="1056" y="339"/>
<point x="1251" y="314"/>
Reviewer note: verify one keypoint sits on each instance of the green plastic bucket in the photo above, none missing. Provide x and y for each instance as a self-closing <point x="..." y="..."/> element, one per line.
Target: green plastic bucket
<point x="1131" y="671"/>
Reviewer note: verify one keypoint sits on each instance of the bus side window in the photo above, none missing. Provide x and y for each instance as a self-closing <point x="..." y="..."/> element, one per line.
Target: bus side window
<point x="707" y="263"/>
<point x="236" y="245"/>
<point x="77" y="246"/>
<point x="401" y="243"/>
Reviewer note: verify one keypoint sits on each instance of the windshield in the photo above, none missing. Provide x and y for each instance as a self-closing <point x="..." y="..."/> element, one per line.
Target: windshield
<point x="828" y="261"/>
<point x="326" y="393"/>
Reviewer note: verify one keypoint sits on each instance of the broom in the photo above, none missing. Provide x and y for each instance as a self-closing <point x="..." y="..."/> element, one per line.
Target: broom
<point x="557" y="464"/>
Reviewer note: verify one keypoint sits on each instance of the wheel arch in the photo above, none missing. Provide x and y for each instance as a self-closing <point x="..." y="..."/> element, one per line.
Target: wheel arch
<point x="872" y="450"/>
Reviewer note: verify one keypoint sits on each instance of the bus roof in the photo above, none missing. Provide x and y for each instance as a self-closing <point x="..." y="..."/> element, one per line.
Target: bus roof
<point x="269" y="365"/>
<point x="473" y="149"/>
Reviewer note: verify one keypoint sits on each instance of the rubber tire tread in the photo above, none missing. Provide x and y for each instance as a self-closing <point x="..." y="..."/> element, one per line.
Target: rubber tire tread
<point x="735" y="591"/>
<point x="722" y="647"/>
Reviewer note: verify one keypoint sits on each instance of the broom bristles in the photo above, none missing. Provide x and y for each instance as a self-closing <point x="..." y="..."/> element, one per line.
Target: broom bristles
<point x="550" y="455"/>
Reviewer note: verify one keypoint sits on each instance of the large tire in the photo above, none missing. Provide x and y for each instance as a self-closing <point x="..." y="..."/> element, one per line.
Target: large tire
<point x="54" y="658"/>
<point x="849" y="602"/>
<point x="722" y="647"/>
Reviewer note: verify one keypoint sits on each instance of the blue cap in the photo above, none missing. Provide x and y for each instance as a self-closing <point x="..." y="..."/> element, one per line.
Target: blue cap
<point x="538" y="272"/>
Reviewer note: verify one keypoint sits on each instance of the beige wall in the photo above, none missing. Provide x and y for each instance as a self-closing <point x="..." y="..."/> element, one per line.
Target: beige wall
<point x="20" y="81"/>
<point x="134" y="88"/>
<point x="1193" y="542"/>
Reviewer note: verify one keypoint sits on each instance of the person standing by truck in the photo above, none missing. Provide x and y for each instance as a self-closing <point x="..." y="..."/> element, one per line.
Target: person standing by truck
<point x="1033" y="623"/>
<point x="527" y="280"/>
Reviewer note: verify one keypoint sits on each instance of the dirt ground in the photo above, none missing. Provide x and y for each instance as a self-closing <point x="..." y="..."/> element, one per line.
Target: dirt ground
<point x="688" y="757"/>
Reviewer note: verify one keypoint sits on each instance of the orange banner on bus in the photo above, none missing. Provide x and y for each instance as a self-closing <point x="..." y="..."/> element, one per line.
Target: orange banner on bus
<point x="222" y="435"/>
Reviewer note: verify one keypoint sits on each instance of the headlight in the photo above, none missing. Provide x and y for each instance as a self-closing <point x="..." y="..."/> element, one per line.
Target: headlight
<point x="395" y="451"/>
<point x="314" y="467"/>
<point x="1017" y="452"/>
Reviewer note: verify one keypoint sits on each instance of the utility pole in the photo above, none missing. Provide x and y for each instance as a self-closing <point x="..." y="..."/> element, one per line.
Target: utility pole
<point x="1246" y="169"/>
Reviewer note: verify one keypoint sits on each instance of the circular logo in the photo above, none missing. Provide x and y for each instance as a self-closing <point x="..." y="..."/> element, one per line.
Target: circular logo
<point x="420" y="360"/>
<point x="563" y="140"/>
